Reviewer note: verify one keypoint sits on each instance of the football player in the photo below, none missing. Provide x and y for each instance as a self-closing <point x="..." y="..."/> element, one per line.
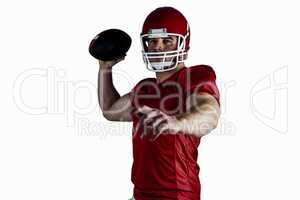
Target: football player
<point x="170" y="113"/>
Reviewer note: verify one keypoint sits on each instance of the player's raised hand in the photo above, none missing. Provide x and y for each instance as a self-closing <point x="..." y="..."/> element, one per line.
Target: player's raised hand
<point x="109" y="64"/>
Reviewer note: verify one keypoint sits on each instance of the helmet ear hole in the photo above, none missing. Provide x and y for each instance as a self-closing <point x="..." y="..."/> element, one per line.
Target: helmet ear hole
<point x="145" y="44"/>
<point x="181" y="43"/>
<point x="179" y="40"/>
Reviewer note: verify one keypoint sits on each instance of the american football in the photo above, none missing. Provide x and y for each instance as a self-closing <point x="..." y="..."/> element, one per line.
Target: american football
<point x="110" y="44"/>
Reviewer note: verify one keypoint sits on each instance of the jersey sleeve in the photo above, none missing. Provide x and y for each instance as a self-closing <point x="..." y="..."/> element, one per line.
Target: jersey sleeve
<point x="201" y="78"/>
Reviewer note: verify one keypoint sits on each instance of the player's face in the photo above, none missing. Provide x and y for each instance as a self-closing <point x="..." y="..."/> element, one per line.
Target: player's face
<point x="162" y="44"/>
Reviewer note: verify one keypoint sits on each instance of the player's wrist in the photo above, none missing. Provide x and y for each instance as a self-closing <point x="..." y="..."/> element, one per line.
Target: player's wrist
<point x="179" y="124"/>
<point x="105" y="65"/>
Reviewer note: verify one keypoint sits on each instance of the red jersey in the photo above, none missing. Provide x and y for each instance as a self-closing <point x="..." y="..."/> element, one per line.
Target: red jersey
<point x="167" y="168"/>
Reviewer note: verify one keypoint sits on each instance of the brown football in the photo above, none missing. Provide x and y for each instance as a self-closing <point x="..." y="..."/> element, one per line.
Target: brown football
<point x="110" y="44"/>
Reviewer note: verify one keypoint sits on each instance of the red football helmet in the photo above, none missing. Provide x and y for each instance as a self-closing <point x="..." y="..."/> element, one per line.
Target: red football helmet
<point x="160" y="23"/>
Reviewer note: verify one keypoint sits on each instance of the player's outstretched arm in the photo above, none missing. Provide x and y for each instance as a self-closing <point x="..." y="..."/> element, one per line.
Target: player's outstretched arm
<point x="201" y="117"/>
<point x="114" y="107"/>
<point x="203" y="112"/>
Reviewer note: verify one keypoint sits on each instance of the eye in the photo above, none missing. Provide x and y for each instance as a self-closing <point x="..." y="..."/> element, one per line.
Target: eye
<point x="168" y="41"/>
<point x="152" y="41"/>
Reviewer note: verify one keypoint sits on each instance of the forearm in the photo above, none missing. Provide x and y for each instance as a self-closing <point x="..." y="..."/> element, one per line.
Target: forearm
<point x="107" y="93"/>
<point x="198" y="123"/>
<point x="200" y="119"/>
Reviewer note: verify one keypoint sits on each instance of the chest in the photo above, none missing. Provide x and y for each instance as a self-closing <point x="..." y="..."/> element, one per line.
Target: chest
<point x="168" y="97"/>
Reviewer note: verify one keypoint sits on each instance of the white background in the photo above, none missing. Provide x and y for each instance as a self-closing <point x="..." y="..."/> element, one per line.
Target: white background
<point x="55" y="144"/>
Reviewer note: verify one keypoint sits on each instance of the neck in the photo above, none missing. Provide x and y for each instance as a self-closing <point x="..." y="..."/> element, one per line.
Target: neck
<point x="161" y="76"/>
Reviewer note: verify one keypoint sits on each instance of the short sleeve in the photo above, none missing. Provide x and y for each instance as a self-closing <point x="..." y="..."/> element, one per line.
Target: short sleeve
<point x="201" y="78"/>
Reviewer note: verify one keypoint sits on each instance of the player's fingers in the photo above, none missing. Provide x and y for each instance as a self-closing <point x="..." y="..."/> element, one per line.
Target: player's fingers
<point x="162" y="128"/>
<point x="159" y="133"/>
<point x="142" y="135"/>
<point x="152" y="116"/>
<point x="146" y="130"/>
<point x="158" y="122"/>
<point x="120" y="59"/>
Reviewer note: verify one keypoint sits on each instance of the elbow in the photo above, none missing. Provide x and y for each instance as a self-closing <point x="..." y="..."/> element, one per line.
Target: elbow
<point x="108" y="116"/>
<point x="214" y="125"/>
<point x="112" y="117"/>
<point x="208" y="128"/>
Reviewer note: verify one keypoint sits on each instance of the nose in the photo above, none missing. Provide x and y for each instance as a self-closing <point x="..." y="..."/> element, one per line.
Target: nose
<point x="158" y="46"/>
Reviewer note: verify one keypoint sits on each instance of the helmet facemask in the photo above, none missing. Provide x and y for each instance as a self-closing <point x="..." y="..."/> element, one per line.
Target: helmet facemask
<point x="165" y="60"/>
